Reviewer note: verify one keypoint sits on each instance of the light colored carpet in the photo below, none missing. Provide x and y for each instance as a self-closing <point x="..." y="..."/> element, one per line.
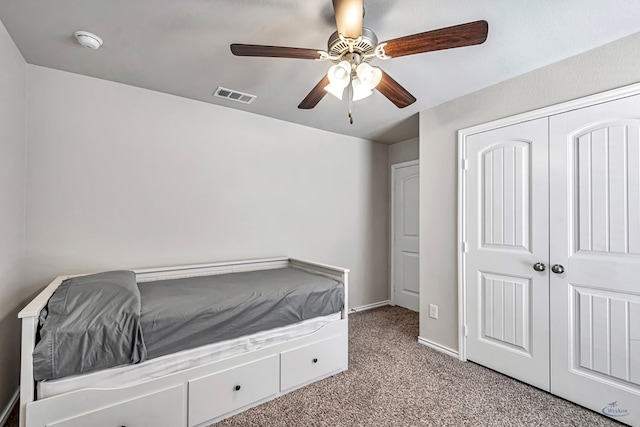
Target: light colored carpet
<point x="394" y="381"/>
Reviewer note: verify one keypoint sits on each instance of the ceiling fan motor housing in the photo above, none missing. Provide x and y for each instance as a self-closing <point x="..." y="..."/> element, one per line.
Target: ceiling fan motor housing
<point x="366" y="46"/>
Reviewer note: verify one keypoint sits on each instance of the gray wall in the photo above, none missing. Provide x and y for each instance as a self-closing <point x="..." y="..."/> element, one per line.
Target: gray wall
<point x="603" y="68"/>
<point x="12" y="169"/>
<point x="404" y="151"/>
<point x="123" y="177"/>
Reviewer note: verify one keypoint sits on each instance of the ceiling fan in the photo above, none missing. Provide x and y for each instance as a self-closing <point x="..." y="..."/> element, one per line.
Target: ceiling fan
<point x="353" y="46"/>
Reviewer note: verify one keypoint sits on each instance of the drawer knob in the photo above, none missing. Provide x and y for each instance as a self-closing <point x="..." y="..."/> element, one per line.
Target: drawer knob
<point x="315" y="360"/>
<point x="237" y="387"/>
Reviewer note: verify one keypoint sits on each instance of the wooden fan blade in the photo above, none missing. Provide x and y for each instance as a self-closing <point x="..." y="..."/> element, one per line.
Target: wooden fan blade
<point x="445" y="38"/>
<point x="316" y="94"/>
<point x="394" y="92"/>
<point x="274" y="51"/>
<point x="349" y="17"/>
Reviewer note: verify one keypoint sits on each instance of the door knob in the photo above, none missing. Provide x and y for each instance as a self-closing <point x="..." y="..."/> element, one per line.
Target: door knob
<point x="557" y="268"/>
<point x="538" y="266"/>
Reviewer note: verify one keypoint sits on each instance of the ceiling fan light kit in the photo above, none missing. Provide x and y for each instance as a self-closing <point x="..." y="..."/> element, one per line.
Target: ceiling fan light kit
<point x="339" y="76"/>
<point x="353" y="46"/>
<point x="360" y="90"/>
<point x="363" y="78"/>
<point x="370" y="76"/>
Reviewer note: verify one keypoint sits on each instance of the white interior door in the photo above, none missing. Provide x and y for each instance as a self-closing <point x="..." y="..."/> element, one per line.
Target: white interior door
<point x="595" y="237"/>
<point x="405" y="179"/>
<point x="506" y="232"/>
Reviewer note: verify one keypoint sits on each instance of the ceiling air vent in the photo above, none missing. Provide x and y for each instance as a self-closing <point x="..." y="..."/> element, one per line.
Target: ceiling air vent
<point x="234" y="95"/>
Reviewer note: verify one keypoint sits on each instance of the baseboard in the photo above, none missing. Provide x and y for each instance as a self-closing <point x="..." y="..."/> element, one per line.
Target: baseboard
<point x="369" y="306"/>
<point x="438" y="347"/>
<point x="7" y="411"/>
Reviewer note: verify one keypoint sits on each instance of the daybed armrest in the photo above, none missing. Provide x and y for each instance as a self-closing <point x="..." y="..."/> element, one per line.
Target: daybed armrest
<point x="336" y="273"/>
<point x="29" y="316"/>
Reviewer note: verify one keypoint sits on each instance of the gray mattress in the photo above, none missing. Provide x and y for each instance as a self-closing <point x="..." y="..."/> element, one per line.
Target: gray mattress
<point x="179" y="314"/>
<point x="105" y="320"/>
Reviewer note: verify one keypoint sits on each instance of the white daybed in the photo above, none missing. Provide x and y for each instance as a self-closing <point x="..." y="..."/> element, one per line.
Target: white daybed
<point x="198" y="393"/>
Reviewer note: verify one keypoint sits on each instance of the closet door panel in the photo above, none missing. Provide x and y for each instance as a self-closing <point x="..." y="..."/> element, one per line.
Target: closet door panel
<point x="506" y="231"/>
<point x="595" y="230"/>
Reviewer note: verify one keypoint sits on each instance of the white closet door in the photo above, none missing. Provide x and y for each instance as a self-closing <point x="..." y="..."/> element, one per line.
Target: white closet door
<point x="507" y="229"/>
<point x="595" y="237"/>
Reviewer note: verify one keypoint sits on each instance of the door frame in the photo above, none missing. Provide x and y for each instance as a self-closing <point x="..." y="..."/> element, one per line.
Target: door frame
<point x="563" y="107"/>
<point x="394" y="170"/>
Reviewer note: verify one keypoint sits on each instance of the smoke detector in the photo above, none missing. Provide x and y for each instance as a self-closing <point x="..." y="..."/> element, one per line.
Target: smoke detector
<point x="88" y="39"/>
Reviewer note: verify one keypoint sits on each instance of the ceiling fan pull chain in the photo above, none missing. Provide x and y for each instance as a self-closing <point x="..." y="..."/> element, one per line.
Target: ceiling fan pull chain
<point x="350" y="104"/>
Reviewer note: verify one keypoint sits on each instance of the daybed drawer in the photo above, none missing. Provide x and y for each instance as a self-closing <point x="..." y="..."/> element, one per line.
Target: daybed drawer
<point x="303" y="364"/>
<point x="164" y="408"/>
<point x="225" y="391"/>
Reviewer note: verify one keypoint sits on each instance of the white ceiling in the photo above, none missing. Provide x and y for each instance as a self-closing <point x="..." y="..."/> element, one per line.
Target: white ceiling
<point x="181" y="47"/>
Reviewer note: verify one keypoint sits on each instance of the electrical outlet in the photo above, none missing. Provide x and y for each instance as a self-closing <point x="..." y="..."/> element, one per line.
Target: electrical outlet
<point x="433" y="311"/>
